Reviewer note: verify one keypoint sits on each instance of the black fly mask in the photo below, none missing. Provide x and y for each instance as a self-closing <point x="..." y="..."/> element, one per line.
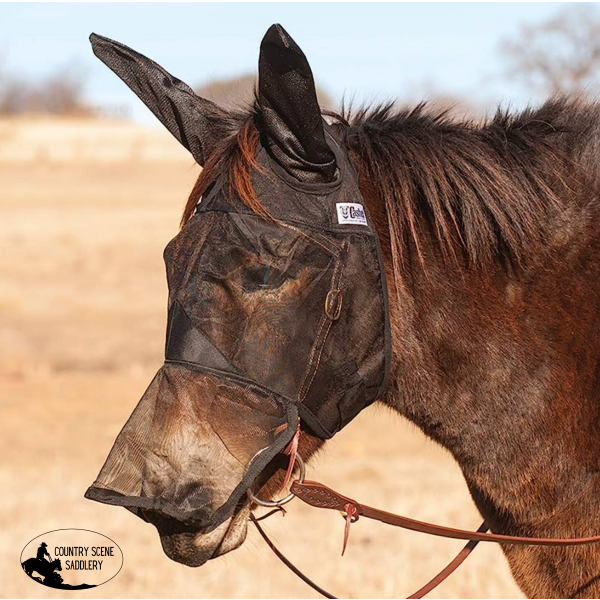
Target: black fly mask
<point x="275" y="323"/>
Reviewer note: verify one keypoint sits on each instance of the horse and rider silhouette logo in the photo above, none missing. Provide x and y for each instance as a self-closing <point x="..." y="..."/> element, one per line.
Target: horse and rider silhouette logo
<point x="82" y="557"/>
<point x="48" y="569"/>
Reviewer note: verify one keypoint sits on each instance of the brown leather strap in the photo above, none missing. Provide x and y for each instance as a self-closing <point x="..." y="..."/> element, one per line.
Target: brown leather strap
<point x="432" y="584"/>
<point x="318" y="495"/>
<point x="458" y="560"/>
<point x="288" y="563"/>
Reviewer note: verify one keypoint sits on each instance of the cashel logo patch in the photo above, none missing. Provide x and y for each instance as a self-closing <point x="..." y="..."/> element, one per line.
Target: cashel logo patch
<point x="351" y="213"/>
<point x="71" y="559"/>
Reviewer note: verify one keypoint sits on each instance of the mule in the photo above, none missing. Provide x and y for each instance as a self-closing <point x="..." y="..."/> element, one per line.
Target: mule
<point x="490" y="243"/>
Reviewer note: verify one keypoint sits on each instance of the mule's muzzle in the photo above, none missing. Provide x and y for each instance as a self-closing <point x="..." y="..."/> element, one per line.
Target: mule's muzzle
<point x="193" y="546"/>
<point x="189" y="452"/>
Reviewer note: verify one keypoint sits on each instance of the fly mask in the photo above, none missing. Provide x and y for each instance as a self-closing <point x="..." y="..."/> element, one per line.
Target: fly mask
<point x="275" y="322"/>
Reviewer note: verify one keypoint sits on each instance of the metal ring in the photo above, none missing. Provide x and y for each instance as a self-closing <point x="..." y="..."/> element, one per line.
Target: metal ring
<point x="289" y="497"/>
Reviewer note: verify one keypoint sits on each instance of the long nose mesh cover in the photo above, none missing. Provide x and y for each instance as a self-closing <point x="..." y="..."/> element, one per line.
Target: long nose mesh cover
<point x="271" y="321"/>
<point x="167" y="457"/>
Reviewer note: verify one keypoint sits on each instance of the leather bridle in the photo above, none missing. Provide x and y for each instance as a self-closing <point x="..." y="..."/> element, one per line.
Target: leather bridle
<point x="320" y="496"/>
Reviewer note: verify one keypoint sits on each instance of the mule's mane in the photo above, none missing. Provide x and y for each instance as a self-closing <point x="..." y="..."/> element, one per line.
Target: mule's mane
<point x="480" y="191"/>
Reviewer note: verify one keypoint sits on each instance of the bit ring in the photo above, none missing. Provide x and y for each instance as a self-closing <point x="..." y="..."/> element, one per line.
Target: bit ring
<point x="277" y="503"/>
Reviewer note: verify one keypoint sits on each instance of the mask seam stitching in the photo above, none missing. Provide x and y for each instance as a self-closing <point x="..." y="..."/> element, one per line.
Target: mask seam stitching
<point x="305" y="387"/>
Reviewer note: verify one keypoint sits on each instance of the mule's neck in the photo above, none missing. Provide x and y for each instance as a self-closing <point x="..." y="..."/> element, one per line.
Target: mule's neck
<point x="500" y="366"/>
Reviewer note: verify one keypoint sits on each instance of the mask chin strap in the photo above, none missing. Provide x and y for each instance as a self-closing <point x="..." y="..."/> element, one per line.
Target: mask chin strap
<point x="320" y="496"/>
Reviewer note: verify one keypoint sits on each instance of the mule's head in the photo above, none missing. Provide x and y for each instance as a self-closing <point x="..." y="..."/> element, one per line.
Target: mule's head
<point x="277" y="306"/>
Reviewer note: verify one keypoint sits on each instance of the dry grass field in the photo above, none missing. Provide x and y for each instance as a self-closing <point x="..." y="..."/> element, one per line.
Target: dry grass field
<point x="85" y="211"/>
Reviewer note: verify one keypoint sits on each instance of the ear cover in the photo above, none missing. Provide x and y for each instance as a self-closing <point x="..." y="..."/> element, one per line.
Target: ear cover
<point x="194" y="121"/>
<point x="292" y="125"/>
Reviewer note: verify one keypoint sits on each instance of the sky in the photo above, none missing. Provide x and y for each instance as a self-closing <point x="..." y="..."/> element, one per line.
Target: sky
<point x="366" y="51"/>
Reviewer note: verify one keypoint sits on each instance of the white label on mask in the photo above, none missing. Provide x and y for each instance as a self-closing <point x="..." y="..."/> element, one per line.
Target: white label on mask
<point x="351" y="213"/>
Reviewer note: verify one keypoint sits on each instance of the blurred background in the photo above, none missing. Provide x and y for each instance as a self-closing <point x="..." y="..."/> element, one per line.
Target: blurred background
<point x="91" y="190"/>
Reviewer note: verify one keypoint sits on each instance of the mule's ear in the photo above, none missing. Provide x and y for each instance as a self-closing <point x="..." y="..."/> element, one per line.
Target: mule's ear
<point x="292" y="125"/>
<point x="195" y="122"/>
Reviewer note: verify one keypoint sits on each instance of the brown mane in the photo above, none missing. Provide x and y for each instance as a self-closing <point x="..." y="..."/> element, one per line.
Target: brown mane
<point x="484" y="192"/>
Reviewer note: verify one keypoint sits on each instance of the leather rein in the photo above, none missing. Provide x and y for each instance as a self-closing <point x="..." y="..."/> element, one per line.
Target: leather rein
<point x="320" y="496"/>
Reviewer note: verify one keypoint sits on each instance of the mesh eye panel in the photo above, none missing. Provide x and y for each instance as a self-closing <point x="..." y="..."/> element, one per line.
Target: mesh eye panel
<point x="257" y="295"/>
